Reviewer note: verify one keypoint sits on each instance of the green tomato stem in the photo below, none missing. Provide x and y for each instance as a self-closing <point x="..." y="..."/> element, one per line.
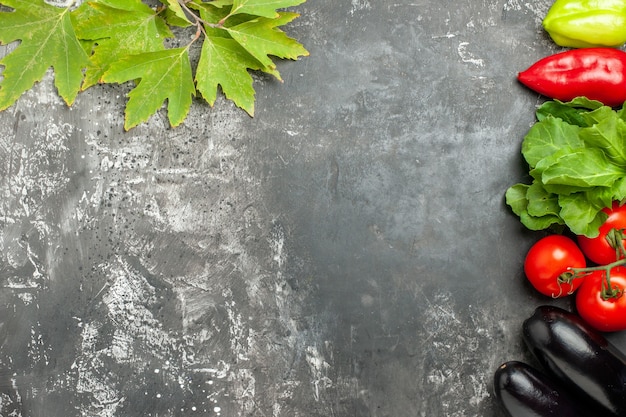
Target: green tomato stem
<point x="608" y="291"/>
<point x="615" y="238"/>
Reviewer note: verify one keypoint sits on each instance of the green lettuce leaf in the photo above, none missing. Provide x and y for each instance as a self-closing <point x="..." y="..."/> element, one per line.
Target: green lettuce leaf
<point x="581" y="215"/>
<point x="547" y="137"/>
<point x="573" y="112"/>
<point x="576" y="154"/>
<point x="541" y="202"/>
<point x="516" y="198"/>
<point x="584" y="167"/>
<point x="609" y="135"/>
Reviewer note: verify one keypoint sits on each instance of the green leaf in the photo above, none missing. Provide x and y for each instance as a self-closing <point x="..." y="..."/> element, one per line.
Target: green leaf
<point x="550" y="160"/>
<point x="581" y="216"/>
<point x="220" y="3"/>
<point x="572" y="112"/>
<point x="540" y="202"/>
<point x="516" y="198"/>
<point x="609" y="135"/>
<point x="130" y="5"/>
<point x="595" y="116"/>
<point x="118" y="28"/>
<point x="553" y="161"/>
<point x="163" y="75"/>
<point x="618" y="190"/>
<point x="577" y="154"/>
<point x="47" y="40"/>
<point x="547" y="137"/>
<point x="265" y="8"/>
<point x="602" y="196"/>
<point x="223" y="62"/>
<point x="621" y="113"/>
<point x="123" y="40"/>
<point x="539" y="223"/>
<point x="557" y="110"/>
<point x="213" y="15"/>
<point x="173" y="20"/>
<point x="175" y="7"/>
<point x="560" y="189"/>
<point x="585" y="167"/>
<point x="261" y="38"/>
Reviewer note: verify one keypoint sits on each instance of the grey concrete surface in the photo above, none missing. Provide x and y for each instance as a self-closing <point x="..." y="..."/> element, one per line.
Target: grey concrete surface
<point x="347" y="252"/>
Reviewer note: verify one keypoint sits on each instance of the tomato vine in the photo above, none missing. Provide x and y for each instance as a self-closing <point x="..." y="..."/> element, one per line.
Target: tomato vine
<point x="608" y="291"/>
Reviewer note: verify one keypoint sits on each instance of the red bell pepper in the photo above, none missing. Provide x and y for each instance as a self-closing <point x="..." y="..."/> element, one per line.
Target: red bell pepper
<point x="596" y="73"/>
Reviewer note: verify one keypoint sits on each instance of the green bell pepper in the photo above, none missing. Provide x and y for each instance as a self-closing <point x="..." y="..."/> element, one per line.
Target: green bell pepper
<point x="587" y="23"/>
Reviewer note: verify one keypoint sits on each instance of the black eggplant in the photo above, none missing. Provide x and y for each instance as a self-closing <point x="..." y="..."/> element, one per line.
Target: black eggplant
<point x="579" y="357"/>
<point x="524" y="391"/>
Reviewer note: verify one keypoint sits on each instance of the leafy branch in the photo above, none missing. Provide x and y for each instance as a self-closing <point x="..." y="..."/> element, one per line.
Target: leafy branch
<point x="119" y="41"/>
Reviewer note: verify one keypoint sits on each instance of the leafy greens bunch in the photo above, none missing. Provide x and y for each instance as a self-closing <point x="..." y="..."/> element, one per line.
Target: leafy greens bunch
<point x="116" y="41"/>
<point x="576" y="153"/>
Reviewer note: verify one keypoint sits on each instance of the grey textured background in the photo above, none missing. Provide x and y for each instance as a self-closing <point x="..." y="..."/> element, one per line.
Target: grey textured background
<point x="347" y="252"/>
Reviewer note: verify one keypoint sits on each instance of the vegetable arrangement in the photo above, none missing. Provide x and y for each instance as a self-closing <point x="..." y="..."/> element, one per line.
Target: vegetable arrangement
<point x="576" y="155"/>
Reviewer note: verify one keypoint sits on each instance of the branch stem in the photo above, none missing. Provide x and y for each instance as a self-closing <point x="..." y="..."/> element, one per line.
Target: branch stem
<point x="615" y="238"/>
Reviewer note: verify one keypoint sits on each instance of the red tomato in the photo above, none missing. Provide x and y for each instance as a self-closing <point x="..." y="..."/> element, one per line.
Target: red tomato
<point x="605" y="315"/>
<point x="598" y="249"/>
<point x="548" y="259"/>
